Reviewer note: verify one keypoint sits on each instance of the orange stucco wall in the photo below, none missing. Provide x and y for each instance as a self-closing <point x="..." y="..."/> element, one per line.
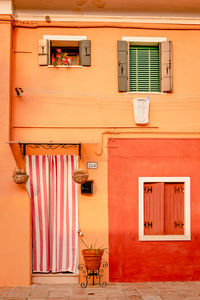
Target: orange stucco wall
<point x="14" y="203"/>
<point x="81" y="104"/>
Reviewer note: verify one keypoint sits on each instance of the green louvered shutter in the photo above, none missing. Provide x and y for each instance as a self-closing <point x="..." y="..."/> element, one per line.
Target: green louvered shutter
<point x="144" y="70"/>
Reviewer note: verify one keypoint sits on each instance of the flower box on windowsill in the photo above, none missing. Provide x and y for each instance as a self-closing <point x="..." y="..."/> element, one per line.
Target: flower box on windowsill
<point x="61" y="66"/>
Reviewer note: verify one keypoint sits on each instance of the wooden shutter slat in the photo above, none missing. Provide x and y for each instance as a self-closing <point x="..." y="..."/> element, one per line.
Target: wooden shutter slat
<point x="44" y="52"/>
<point x="174" y="208"/>
<point x="85" y="52"/>
<point x="166" y="66"/>
<point x="144" y="69"/>
<point x="122" y="55"/>
<point x="154" y="208"/>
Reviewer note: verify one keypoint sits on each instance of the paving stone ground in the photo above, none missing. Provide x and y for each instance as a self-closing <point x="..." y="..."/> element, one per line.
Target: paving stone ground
<point x="113" y="291"/>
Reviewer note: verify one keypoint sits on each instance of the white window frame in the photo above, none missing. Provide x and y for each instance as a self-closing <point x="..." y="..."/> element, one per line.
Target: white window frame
<point x="187" y="226"/>
<point x="65" y="37"/>
<point x="148" y="39"/>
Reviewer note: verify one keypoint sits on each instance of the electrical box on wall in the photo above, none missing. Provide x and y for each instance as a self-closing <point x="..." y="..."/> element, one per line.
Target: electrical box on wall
<point x="87" y="187"/>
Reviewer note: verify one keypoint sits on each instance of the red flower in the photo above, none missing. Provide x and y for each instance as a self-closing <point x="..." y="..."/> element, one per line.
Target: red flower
<point x="58" y="50"/>
<point x="57" y="55"/>
<point x="53" y="59"/>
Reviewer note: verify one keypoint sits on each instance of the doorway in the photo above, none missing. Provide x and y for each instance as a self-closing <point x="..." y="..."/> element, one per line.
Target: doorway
<point x="54" y="210"/>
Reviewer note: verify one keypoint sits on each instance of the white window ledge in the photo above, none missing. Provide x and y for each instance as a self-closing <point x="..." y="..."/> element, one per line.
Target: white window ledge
<point x="150" y="93"/>
<point x="165" y="238"/>
<point x="75" y="66"/>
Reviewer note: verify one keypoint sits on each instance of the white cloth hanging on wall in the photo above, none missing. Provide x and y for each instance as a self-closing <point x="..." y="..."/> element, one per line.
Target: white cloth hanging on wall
<point x="141" y="110"/>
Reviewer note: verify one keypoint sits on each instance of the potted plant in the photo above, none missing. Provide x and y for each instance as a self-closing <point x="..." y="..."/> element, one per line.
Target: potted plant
<point x="92" y="256"/>
<point x="61" y="58"/>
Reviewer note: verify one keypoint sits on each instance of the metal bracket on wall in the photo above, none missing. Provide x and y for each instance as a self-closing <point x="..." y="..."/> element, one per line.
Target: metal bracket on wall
<point x="51" y="146"/>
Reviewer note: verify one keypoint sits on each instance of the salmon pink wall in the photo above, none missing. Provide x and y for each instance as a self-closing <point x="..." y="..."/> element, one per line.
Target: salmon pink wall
<point x="134" y="260"/>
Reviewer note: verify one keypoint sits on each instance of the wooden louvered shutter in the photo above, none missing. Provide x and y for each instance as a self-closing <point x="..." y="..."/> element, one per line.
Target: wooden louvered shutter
<point x="174" y="208"/>
<point x="122" y="55"/>
<point x="85" y="52"/>
<point x="44" y="52"/>
<point x="166" y="66"/>
<point x="154" y="208"/>
<point x="144" y="69"/>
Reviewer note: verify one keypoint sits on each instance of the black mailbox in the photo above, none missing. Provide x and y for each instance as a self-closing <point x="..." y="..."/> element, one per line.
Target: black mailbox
<point x="87" y="187"/>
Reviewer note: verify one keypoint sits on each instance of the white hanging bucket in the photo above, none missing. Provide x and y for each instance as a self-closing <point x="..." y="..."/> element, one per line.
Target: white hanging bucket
<point x="141" y="110"/>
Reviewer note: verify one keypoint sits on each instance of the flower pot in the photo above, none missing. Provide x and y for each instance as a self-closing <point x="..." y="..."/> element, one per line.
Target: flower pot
<point x="20" y="176"/>
<point x="80" y="176"/>
<point x="92" y="258"/>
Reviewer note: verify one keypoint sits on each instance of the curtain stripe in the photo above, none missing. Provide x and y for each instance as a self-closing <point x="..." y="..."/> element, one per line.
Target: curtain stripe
<point x="53" y="196"/>
<point x="64" y="213"/>
<point x="67" y="217"/>
<point x="45" y="175"/>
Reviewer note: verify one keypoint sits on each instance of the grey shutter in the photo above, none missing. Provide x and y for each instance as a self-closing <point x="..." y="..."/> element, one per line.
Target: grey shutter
<point x="85" y="52"/>
<point x="122" y="55"/>
<point x="166" y="66"/>
<point x="44" y="52"/>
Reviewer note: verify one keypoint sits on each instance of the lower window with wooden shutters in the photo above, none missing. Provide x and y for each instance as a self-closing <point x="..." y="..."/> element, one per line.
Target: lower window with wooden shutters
<point x="164" y="208"/>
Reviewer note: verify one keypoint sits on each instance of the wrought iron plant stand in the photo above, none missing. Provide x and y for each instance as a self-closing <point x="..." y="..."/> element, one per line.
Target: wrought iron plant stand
<point x="87" y="274"/>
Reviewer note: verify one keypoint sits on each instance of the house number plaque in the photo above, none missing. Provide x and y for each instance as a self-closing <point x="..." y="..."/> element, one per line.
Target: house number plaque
<point x="92" y="164"/>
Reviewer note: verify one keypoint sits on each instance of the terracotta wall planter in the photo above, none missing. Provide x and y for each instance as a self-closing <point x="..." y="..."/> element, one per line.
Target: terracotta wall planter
<point x="80" y="176"/>
<point x="20" y="176"/>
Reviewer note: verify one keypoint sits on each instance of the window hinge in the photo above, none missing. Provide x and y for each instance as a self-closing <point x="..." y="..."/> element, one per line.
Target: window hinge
<point x="148" y="189"/>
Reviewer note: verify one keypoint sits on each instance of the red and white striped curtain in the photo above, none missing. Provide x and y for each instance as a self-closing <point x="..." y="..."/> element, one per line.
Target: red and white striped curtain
<point x="53" y="196"/>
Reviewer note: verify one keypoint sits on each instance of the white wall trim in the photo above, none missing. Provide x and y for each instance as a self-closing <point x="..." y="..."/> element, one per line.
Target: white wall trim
<point x="65" y="37"/>
<point x="6" y="7"/>
<point x="31" y="15"/>
<point x="187" y="221"/>
<point x="144" y="39"/>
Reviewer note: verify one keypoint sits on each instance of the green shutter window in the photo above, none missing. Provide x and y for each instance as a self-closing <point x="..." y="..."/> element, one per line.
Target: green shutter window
<point x="144" y="69"/>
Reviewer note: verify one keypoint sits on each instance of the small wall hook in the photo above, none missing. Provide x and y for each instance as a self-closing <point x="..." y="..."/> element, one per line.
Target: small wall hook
<point x="19" y="91"/>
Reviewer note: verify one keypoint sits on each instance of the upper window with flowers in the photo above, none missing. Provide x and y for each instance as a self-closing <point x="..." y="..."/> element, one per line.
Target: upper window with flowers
<point x="61" y="51"/>
<point x="61" y="58"/>
<point x="64" y="53"/>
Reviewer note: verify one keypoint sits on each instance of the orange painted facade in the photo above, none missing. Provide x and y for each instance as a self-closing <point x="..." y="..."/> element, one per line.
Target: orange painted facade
<point x="81" y="105"/>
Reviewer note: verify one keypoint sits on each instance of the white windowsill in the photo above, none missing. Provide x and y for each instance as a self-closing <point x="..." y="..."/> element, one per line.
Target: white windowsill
<point x="165" y="238"/>
<point x="146" y="93"/>
<point x="75" y="66"/>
